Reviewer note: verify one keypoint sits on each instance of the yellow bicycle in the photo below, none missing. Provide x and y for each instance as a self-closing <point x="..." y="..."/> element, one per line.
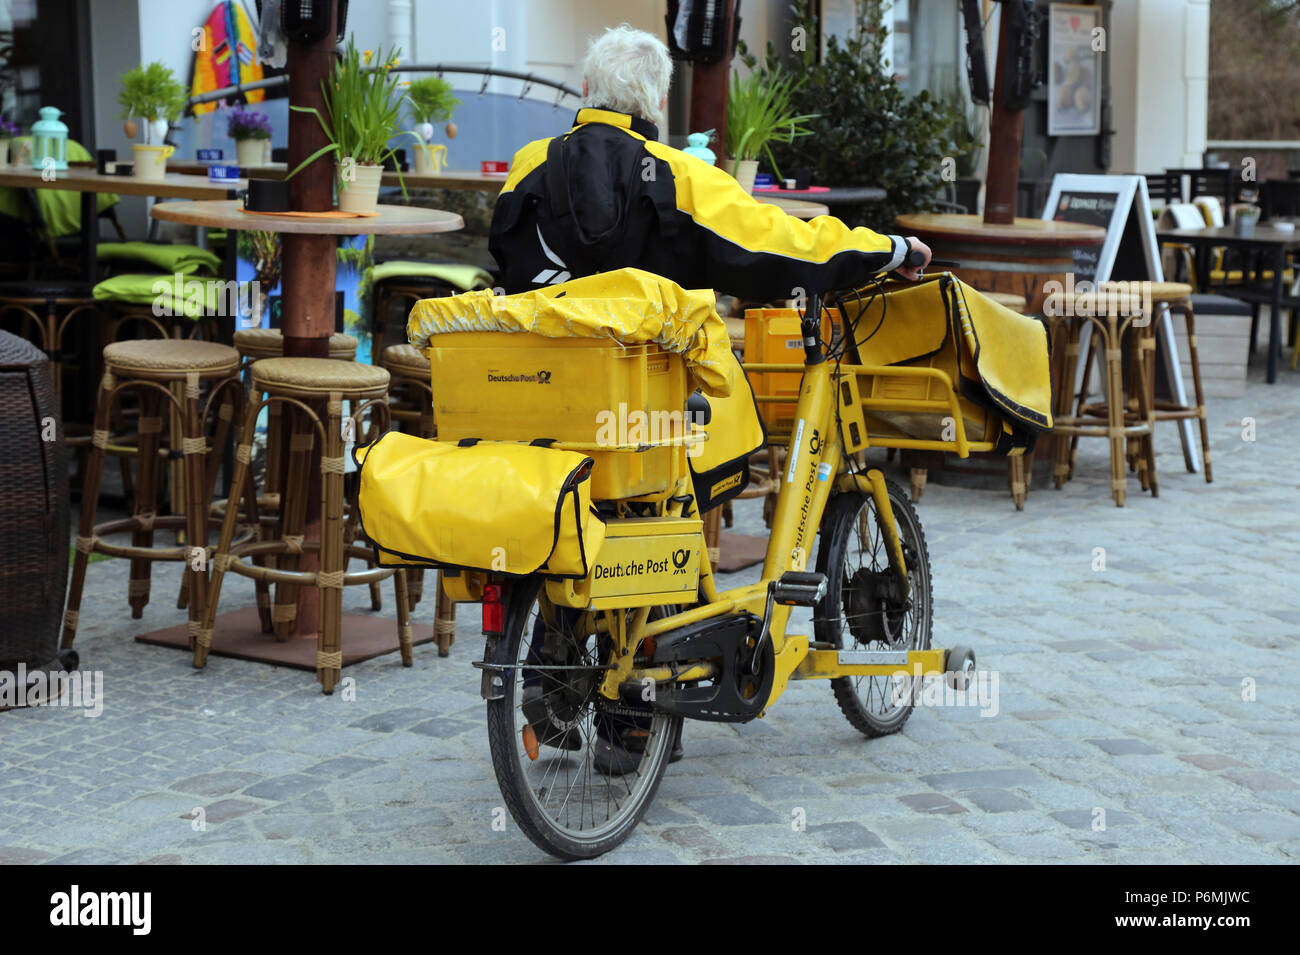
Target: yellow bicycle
<point x="588" y="681"/>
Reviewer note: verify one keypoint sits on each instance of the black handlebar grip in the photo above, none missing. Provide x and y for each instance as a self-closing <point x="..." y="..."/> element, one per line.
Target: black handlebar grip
<point x="914" y="257"/>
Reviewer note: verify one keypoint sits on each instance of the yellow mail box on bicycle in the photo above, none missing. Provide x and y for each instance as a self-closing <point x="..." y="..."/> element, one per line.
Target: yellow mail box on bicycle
<point x="624" y="405"/>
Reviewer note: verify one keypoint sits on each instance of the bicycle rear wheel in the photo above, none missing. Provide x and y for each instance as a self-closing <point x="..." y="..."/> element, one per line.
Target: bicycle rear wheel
<point x="857" y="612"/>
<point x="547" y="731"/>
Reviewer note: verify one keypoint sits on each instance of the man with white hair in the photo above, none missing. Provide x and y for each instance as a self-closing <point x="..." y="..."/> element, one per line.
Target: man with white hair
<point x="608" y="195"/>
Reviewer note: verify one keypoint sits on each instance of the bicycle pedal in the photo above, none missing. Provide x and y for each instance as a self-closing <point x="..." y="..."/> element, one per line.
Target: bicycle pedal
<point x="798" y="589"/>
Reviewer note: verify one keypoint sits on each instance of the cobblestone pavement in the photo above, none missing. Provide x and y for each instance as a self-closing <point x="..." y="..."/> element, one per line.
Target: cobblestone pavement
<point x="1124" y="689"/>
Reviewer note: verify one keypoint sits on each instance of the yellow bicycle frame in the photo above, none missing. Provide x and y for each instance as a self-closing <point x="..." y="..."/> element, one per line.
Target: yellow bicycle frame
<point x="815" y="467"/>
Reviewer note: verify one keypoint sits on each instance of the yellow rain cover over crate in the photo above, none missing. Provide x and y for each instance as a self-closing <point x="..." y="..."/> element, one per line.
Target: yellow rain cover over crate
<point x="997" y="359"/>
<point x="627" y="305"/>
<point x="508" y="508"/>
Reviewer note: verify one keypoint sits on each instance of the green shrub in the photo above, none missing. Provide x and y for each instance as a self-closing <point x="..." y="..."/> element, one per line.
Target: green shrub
<point x="869" y="131"/>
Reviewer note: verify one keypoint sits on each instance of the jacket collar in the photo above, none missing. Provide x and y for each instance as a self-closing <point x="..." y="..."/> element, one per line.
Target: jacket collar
<point x="596" y="114"/>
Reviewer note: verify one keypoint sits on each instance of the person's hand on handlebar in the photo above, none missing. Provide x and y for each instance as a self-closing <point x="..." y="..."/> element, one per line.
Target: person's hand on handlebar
<point x="915" y="261"/>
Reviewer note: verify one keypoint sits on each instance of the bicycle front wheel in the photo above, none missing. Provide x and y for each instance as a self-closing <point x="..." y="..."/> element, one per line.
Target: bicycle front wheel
<point x="577" y="771"/>
<point x="858" y="611"/>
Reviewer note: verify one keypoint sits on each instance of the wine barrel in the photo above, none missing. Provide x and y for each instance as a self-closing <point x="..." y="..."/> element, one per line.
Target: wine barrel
<point x="34" y="544"/>
<point x="1017" y="259"/>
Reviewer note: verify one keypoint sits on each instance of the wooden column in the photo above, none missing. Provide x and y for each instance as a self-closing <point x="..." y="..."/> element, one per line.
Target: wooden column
<point x="710" y="84"/>
<point x="309" y="264"/>
<point x="1005" y="129"/>
<point x="309" y="260"/>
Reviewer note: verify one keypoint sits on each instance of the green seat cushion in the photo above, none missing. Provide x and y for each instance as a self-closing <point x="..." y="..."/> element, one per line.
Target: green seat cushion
<point x="194" y="297"/>
<point x="185" y="259"/>
<point x="60" y="208"/>
<point x="464" y="277"/>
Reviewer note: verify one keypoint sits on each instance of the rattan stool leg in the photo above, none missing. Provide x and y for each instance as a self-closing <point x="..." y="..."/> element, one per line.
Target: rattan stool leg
<point x="1115" y="409"/>
<point x="1016" y="478"/>
<point x="1135" y="406"/>
<point x="919" y="476"/>
<point x="1083" y="352"/>
<point x="1146" y="404"/>
<point x="293" y="517"/>
<point x="329" y="579"/>
<point x="403" y="617"/>
<point x="444" y="622"/>
<point x="194" y="458"/>
<point x="241" y="482"/>
<point x="1073" y="329"/>
<point x="148" y="468"/>
<point x="86" y="523"/>
<point x="1186" y="308"/>
<point x="175" y="463"/>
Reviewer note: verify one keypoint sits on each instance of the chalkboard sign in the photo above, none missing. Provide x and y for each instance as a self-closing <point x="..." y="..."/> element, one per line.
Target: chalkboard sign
<point x="1121" y="206"/>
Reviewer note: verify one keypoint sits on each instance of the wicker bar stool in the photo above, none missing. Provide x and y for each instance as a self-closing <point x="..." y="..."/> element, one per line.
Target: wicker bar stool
<point x="1114" y="318"/>
<point x="298" y="383"/>
<point x="1177" y="297"/>
<point x="255" y="343"/>
<point x="411" y="404"/>
<point x="46" y="309"/>
<point x="168" y="376"/>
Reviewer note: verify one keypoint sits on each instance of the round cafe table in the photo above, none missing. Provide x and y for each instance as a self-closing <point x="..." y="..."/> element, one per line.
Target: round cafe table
<point x="229" y="214"/>
<point x="238" y="633"/>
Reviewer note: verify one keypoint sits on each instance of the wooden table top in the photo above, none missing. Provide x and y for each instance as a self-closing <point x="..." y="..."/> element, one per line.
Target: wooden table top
<point x="1222" y="235"/>
<point x="86" y="179"/>
<point x="971" y="228"/>
<point x="447" y="179"/>
<point x="477" y="182"/>
<point x="227" y="214"/>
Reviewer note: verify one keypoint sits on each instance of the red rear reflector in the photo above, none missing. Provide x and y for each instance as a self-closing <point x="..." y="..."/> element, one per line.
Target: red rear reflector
<point x="493" y="611"/>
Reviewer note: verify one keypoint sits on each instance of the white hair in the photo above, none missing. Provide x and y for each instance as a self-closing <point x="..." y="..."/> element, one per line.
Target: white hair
<point x="628" y="70"/>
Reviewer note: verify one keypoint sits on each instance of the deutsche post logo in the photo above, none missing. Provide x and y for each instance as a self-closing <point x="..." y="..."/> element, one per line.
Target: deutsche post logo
<point x="815" y="442"/>
<point x="543" y="377"/>
<point x="680" y="557"/>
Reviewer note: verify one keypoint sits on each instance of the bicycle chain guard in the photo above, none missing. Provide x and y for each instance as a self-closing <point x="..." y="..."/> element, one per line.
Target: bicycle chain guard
<point x="735" y="695"/>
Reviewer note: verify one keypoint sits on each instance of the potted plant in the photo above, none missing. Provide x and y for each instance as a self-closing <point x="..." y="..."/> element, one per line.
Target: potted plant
<point x="759" y="113"/>
<point x="7" y="132"/>
<point x="153" y="94"/>
<point x="362" y="106"/>
<point x="251" y="131"/>
<point x="431" y="101"/>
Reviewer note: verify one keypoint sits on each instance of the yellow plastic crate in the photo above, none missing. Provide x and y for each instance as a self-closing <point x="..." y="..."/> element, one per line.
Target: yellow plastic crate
<point x="774" y="336"/>
<point x="625" y="405"/>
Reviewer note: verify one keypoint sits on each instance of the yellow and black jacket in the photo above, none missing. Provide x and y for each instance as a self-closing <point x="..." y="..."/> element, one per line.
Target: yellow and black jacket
<point x="607" y="195"/>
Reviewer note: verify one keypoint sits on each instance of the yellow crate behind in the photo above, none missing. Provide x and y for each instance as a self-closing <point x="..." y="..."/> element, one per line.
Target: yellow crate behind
<point x="773" y="336"/>
<point x="589" y="395"/>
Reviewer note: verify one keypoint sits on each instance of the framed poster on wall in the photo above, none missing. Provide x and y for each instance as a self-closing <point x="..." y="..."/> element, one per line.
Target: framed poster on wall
<point x="1074" y="70"/>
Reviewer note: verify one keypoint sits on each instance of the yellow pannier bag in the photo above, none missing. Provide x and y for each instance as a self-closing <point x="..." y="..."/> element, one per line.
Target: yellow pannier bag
<point x="720" y="465"/>
<point x="996" y="359"/>
<point x="507" y="508"/>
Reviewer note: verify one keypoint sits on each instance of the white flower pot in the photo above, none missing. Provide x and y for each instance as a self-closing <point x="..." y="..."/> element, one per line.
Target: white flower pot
<point x="361" y="192"/>
<point x="151" y="161"/>
<point x="744" y="172"/>
<point x="429" y="159"/>
<point x="249" y="152"/>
